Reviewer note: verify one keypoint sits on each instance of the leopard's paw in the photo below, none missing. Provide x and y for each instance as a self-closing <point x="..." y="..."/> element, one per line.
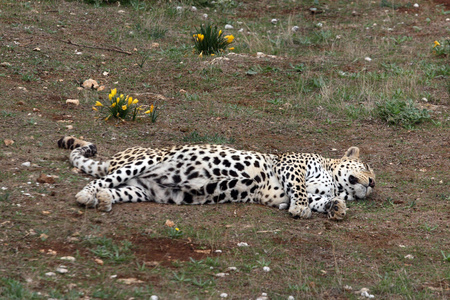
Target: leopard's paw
<point x="303" y="212"/>
<point x="336" y="209"/>
<point x="86" y="198"/>
<point x="105" y="200"/>
<point x="283" y="206"/>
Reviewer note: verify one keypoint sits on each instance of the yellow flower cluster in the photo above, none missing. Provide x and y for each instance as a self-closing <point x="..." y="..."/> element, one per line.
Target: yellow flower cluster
<point x="152" y="108"/>
<point x="229" y="38"/>
<point x="199" y="37"/>
<point x="436" y="43"/>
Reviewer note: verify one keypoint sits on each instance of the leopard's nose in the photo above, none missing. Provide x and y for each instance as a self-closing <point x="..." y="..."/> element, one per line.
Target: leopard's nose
<point x="371" y="183"/>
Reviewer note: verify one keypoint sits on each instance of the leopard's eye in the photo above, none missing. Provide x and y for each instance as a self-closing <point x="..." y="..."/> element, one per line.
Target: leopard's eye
<point x="352" y="179"/>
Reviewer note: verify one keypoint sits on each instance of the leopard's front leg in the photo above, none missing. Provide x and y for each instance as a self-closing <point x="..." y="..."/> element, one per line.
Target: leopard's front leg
<point x="89" y="197"/>
<point x="299" y="202"/>
<point x="335" y="208"/>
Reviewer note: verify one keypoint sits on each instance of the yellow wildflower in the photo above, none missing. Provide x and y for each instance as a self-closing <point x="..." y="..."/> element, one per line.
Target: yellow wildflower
<point x="135" y="101"/>
<point x="113" y="93"/>
<point x="229" y="38"/>
<point x="130" y="100"/>
<point x="220" y="32"/>
<point x="436" y="43"/>
<point x="195" y="36"/>
<point x="231" y="48"/>
<point x="177" y="229"/>
<point x="121" y="96"/>
<point x="200" y="37"/>
<point x="152" y="108"/>
<point x="124" y="107"/>
<point x="117" y="100"/>
<point x="106" y="119"/>
<point x="94" y="108"/>
<point x="113" y="105"/>
<point x="212" y="54"/>
<point x="110" y="97"/>
<point x="201" y="54"/>
<point x="98" y="103"/>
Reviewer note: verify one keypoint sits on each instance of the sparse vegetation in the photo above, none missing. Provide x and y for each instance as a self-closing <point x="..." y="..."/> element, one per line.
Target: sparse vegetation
<point x="359" y="73"/>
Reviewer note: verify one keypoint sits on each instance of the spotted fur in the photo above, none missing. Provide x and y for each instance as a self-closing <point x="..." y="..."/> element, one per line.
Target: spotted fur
<point x="209" y="174"/>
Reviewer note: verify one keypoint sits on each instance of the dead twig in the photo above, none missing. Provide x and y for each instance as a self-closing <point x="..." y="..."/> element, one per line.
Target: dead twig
<point x="115" y="49"/>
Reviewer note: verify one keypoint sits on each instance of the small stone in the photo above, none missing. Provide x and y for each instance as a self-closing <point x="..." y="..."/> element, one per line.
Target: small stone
<point x="218" y="251"/>
<point x="367" y="59"/>
<point x="274" y="21"/>
<point x="8" y="142"/>
<point x="221" y="274"/>
<point x="223" y="295"/>
<point x="416" y="5"/>
<point x="193" y="9"/>
<point x="69" y="127"/>
<point x="409" y="256"/>
<point x="74" y="102"/>
<point x="179" y="9"/>
<point x="37" y="49"/>
<point x="291" y="298"/>
<point x="205" y="16"/>
<point x="242" y="244"/>
<point x="90" y="84"/>
<point x="228" y="26"/>
<point x="154" y="297"/>
<point x="26" y="164"/>
<point x="50" y="274"/>
<point x="266" y="269"/>
<point x="99" y="261"/>
<point x="348" y="288"/>
<point x="129" y="281"/>
<point x="424" y="99"/>
<point x="295" y="28"/>
<point x="69" y="258"/>
<point x="354" y="13"/>
<point x="101" y="88"/>
<point x="62" y="270"/>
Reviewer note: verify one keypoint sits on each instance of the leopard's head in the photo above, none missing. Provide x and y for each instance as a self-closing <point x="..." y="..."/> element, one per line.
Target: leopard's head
<point x="353" y="179"/>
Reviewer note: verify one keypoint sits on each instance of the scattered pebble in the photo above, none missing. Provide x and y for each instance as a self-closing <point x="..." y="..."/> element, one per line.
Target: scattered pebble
<point x="365" y="293"/>
<point x="274" y="21"/>
<point x="228" y="26"/>
<point x="154" y="297"/>
<point x="179" y="9"/>
<point x="416" y="5"/>
<point x="50" y="274"/>
<point x="320" y="25"/>
<point x="75" y="102"/>
<point x="218" y="251"/>
<point x="242" y="244"/>
<point x="367" y="58"/>
<point x="113" y="276"/>
<point x="347" y="288"/>
<point x="221" y="274"/>
<point x="232" y="269"/>
<point x="26" y="164"/>
<point x="90" y="84"/>
<point x="295" y="28"/>
<point x="62" y="270"/>
<point x="291" y="298"/>
<point x="8" y="142"/>
<point x="409" y="256"/>
<point x="266" y="269"/>
<point x="223" y="295"/>
<point x="205" y="16"/>
<point x="424" y="99"/>
<point x="263" y="297"/>
<point x="193" y="9"/>
<point x="69" y="258"/>
<point x="99" y="261"/>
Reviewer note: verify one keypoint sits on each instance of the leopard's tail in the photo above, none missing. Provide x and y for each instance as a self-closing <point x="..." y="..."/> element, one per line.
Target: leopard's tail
<point x="80" y="156"/>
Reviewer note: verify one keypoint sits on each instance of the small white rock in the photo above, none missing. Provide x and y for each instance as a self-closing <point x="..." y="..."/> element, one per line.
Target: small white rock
<point x="193" y="9"/>
<point x="62" y="270"/>
<point x="179" y="9"/>
<point x="295" y="28"/>
<point x="264" y="294"/>
<point x="242" y="244"/>
<point x="154" y="297"/>
<point x="274" y="21"/>
<point x="416" y="5"/>
<point x="26" y="164"/>
<point x="241" y="30"/>
<point x="228" y="26"/>
<point x="409" y="256"/>
<point x="50" y="274"/>
<point x="291" y="298"/>
<point x="69" y="258"/>
<point x="320" y="25"/>
<point x="218" y="251"/>
<point x="205" y="16"/>
<point x="223" y="295"/>
<point x="232" y="269"/>
<point x="221" y="274"/>
<point x="266" y="269"/>
<point x="367" y="58"/>
<point x="424" y="99"/>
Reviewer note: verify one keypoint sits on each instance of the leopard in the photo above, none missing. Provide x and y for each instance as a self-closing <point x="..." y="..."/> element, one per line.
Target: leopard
<point x="301" y="183"/>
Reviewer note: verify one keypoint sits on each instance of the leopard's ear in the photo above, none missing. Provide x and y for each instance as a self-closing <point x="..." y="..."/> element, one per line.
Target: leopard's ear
<point x="352" y="153"/>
